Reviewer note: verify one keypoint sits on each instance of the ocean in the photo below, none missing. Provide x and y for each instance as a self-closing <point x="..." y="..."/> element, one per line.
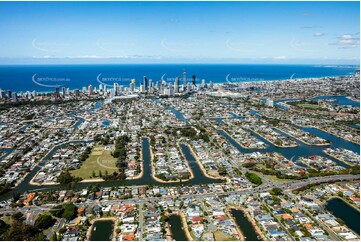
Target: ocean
<point x="44" y="78"/>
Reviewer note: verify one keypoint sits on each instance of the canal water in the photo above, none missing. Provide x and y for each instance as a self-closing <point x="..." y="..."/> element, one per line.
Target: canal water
<point x="175" y="223"/>
<point x="346" y="212"/>
<point x="302" y="149"/>
<point x="177" y="114"/>
<point x="339" y="100"/>
<point x="146" y="179"/>
<point x="102" y="230"/>
<point x="244" y="225"/>
<point x="78" y="122"/>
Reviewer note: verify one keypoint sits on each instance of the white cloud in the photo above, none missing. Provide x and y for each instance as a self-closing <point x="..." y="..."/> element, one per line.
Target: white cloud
<point x="282" y="57"/>
<point x="318" y="34"/>
<point x="347" y="41"/>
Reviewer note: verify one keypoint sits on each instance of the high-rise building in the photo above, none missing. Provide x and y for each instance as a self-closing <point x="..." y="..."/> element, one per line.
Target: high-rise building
<point x="194" y="80"/>
<point x="77" y="93"/>
<point x="63" y="91"/>
<point x="57" y="93"/>
<point x="150" y="85"/>
<point x="203" y="85"/>
<point x="14" y="96"/>
<point x="2" y="94"/>
<point x="132" y="85"/>
<point x="145" y="82"/>
<point x="90" y="90"/>
<point x="142" y="88"/>
<point x="184" y="81"/>
<point x="115" y="89"/>
<point x="105" y="88"/>
<point x="9" y="94"/>
<point x="188" y="87"/>
<point x="100" y="87"/>
<point x="84" y="89"/>
<point x="211" y="84"/>
<point x="176" y="85"/>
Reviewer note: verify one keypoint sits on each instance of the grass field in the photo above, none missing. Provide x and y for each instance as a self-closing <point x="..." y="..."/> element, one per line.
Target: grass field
<point x="308" y="105"/>
<point x="99" y="160"/>
<point x="219" y="236"/>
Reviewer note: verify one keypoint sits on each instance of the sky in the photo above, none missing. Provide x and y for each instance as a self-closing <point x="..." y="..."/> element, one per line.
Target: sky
<point x="180" y="32"/>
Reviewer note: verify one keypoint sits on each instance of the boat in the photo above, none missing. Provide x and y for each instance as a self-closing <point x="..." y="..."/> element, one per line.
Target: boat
<point x="95" y="228"/>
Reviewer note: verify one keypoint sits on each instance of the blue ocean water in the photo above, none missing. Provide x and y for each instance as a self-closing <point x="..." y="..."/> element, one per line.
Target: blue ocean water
<point x="43" y="78"/>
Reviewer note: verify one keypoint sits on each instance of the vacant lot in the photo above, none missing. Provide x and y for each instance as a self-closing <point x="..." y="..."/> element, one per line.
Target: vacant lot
<point x="99" y="160"/>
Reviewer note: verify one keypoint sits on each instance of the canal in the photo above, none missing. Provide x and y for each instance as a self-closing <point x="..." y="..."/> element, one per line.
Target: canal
<point x="102" y="230"/>
<point x="340" y="209"/>
<point x="245" y="225"/>
<point x="199" y="177"/>
<point x="302" y="150"/>
<point x="175" y="223"/>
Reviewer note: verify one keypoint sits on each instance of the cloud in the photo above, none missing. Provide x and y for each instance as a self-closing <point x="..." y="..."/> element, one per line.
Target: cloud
<point x="347" y="41"/>
<point x="282" y="57"/>
<point x="318" y="34"/>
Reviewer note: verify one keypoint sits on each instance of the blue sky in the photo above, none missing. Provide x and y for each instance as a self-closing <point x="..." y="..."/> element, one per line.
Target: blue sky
<point x="179" y="32"/>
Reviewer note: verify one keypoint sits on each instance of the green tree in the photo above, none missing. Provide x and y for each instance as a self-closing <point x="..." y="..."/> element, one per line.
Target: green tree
<point x="44" y="221"/>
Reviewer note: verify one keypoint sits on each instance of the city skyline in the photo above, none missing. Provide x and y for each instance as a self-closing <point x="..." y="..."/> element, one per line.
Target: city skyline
<point x="179" y="32"/>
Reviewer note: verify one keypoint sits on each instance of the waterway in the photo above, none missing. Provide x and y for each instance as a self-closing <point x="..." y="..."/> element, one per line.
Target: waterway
<point x="78" y="122"/>
<point x="102" y="230"/>
<point x="176" y="228"/>
<point x="340" y="100"/>
<point x="244" y="225"/>
<point x="199" y="177"/>
<point x="177" y="113"/>
<point x="346" y="212"/>
<point x="302" y="150"/>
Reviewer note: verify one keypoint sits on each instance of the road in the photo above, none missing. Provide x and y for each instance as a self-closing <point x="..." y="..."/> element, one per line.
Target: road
<point x="141" y="221"/>
<point x="285" y="186"/>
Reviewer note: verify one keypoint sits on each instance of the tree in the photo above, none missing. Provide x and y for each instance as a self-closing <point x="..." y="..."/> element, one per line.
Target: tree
<point x="276" y="191"/>
<point x="44" y="221"/>
<point x="70" y="211"/>
<point x="57" y="211"/>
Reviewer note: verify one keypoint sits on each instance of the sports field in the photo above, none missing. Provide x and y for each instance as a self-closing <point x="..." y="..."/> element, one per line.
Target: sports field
<point x="99" y="160"/>
<point x="308" y="105"/>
